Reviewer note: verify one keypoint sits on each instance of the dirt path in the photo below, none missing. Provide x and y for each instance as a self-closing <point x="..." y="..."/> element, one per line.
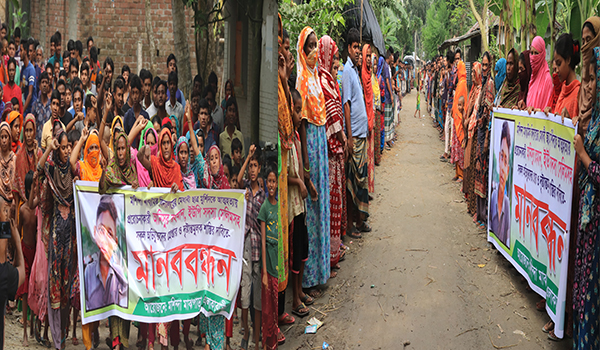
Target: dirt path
<point x="415" y="279"/>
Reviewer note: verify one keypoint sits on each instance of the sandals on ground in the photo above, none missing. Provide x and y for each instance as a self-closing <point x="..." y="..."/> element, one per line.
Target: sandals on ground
<point x="364" y="228"/>
<point x="299" y="313"/>
<point x="282" y="320"/>
<point x="307" y="300"/>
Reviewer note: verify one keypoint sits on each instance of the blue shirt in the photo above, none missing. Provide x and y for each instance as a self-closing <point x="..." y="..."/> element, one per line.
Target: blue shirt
<point x="28" y="79"/>
<point x="53" y="58"/>
<point x="352" y="93"/>
<point x="385" y="76"/>
<point x="130" y="118"/>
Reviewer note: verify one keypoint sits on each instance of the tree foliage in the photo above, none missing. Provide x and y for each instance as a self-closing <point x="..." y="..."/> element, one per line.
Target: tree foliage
<point x="324" y="16"/>
<point x="435" y="30"/>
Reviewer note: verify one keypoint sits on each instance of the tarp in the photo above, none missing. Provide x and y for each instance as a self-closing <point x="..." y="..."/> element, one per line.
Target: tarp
<point x="371" y="32"/>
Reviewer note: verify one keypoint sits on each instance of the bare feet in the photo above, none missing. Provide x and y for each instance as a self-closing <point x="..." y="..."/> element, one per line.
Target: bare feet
<point x="25" y="342"/>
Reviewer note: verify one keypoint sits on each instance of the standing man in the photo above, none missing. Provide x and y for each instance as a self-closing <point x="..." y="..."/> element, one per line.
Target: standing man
<point x="55" y="41"/>
<point x="28" y="78"/>
<point x="355" y="114"/>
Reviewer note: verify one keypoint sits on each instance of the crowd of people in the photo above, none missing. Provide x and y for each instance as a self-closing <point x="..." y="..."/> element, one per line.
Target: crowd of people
<point x="524" y="81"/>
<point x="68" y="117"/>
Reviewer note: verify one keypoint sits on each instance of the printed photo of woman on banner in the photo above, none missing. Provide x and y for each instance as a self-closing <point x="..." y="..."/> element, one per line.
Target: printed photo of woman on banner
<point x="500" y="201"/>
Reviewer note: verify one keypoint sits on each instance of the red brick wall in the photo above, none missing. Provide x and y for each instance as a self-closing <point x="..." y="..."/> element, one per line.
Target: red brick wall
<point x="116" y="27"/>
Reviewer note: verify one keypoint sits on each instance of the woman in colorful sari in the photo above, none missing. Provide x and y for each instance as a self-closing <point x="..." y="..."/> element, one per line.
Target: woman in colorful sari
<point x="121" y="171"/>
<point x="482" y="141"/>
<point x="15" y="120"/>
<point x="215" y="327"/>
<point x="540" y="84"/>
<point x="336" y="139"/>
<point x="365" y="76"/>
<point x="586" y="293"/>
<point x="26" y="160"/>
<point x="469" y="123"/>
<point x="61" y="260"/>
<point x="182" y="156"/>
<point x="148" y="138"/>
<point x="7" y="163"/>
<point x="378" y="111"/>
<point x="590" y="38"/>
<point x="458" y="153"/>
<point x="313" y="135"/>
<point x="89" y="168"/>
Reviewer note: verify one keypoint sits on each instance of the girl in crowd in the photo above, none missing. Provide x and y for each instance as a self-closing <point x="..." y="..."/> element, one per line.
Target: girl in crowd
<point x="368" y="94"/>
<point x="316" y="162"/>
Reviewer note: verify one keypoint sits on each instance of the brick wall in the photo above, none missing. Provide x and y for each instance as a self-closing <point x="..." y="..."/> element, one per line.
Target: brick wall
<point x="116" y="27"/>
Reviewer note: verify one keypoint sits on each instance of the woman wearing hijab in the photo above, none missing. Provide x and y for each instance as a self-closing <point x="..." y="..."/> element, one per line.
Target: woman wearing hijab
<point x="315" y="159"/>
<point x="59" y="182"/>
<point x="590" y="38"/>
<point x="508" y="96"/>
<point x="500" y="70"/>
<point x="540" y="84"/>
<point x="381" y="128"/>
<point x="586" y="298"/>
<point x="524" y="77"/>
<point x="556" y="88"/>
<point x="15" y="120"/>
<point x="365" y="76"/>
<point x="182" y="157"/>
<point x="148" y="138"/>
<point x="89" y="168"/>
<point x="470" y="120"/>
<point x="215" y="326"/>
<point x="163" y="168"/>
<point x="378" y="111"/>
<point x="482" y="140"/>
<point x="336" y="140"/>
<point x="7" y="162"/>
<point x="26" y="160"/>
<point x="458" y="153"/>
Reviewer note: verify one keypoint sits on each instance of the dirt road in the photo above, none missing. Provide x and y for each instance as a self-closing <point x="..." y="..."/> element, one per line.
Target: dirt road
<point x="415" y="282"/>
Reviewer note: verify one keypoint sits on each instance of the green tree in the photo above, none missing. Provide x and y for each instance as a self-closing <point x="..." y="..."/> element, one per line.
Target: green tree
<point x="435" y="30"/>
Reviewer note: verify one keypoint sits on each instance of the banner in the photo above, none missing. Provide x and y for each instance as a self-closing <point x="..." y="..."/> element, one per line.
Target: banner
<point x="154" y="256"/>
<point x="532" y="162"/>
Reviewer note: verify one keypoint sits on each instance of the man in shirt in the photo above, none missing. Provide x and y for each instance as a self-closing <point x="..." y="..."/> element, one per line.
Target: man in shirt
<point x="105" y="282"/>
<point x="211" y="136"/>
<point x="11" y="89"/>
<point x="41" y="106"/>
<point x="231" y="132"/>
<point x="146" y="77"/>
<point x="135" y="95"/>
<point x="355" y="115"/>
<point x="216" y="112"/>
<point x="28" y="80"/>
<point x="55" y="41"/>
<point x="172" y="67"/>
<point x="173" y="106"/>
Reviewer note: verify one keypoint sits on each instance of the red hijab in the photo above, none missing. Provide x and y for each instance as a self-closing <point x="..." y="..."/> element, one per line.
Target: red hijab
<point x="365" y="75"/>
<point x="165" y="172"/>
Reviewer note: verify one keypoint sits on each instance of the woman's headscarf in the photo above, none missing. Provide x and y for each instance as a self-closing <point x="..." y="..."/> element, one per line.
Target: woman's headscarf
<point x="25" y="161"/>
<point x="586" y="91"/>
<point x="12" y="116"/>
<point x="313" y="101"/>
<point x="471" y="111"/>
<point x="284" y="103"/>
<point x="509" y="93"/>
<point x="187" y="175"/>
<point x="90" y="165"/>
<point x="500" y="73"/>
<point x="365" y="76"/>
<point x="218" y="181"/>
<point x="165" y="172"/>
<point x="7" y="168"/>
<point x="175" y="124"/>
<point x="540" y="85"/>
<point x="375" y="85"/>
<point x="59" y="176"/>
<point x="525" y="77"/>
<point x="331" y="92"/>
<point x="143" y="175"/>
<point x="112" y="131"/>
<point x="556" y="89"/>
<point x="116" y="175"/>
<point x="592" y="147"/>
<point x="461" y="90"/>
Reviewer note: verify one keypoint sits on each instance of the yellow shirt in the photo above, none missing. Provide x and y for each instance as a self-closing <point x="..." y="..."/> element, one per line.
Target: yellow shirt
<point x="225" y="141"/>
<point x="47" y="132"/>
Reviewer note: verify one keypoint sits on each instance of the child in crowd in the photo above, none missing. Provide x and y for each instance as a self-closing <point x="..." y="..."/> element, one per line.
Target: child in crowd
<point x="297" y="193"/>
<point x="251" y="276"/>
<point x="236" y="152"/>
<point x="418" y="110"/>
<point x="268" y="217"/>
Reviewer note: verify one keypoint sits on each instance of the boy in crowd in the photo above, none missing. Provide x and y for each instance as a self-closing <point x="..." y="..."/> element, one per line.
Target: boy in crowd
<point x="28" y="79"/>
<point x="136" y="109"/>
<point x="211" y="137"/>
<point x="55" y="47"/>
<point x="193" y="110"/>
<point x="172" y="67"/>
<point x="85" y="79"/>
<point x="251" y="273"/>
<point x="12" y="89"/>
<point x="216" y="112"/>
<point x="173" y="106"/>
<point x="77" y="102"/>
<point x="146" y="77"/>
<point x="236" y="152"/>
<point x="231" y="131"/>
<point x="41" y="106"/>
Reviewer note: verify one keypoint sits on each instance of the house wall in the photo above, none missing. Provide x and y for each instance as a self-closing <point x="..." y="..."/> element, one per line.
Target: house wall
<point x="116" y="26"/>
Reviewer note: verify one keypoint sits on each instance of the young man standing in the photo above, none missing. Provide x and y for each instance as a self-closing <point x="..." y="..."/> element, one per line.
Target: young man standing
<point x="55" y="41"/>
<point x="355" y="115"/>
<point x="85" y="79"/>
<point x="41" y="106"/>
<point x="136" y="110"/>
<point x="12" y="89"/>
<point x="146" y="78"/>
<point x="211" y="136"/>
<point x="216" y="112"/>
<point x="28" y="80"/>
<point x="172" y="67"/>
<point x="173" y="106"/>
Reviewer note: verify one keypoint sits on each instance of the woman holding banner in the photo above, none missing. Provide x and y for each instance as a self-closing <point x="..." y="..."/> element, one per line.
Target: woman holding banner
<point x="586" y="290"/>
